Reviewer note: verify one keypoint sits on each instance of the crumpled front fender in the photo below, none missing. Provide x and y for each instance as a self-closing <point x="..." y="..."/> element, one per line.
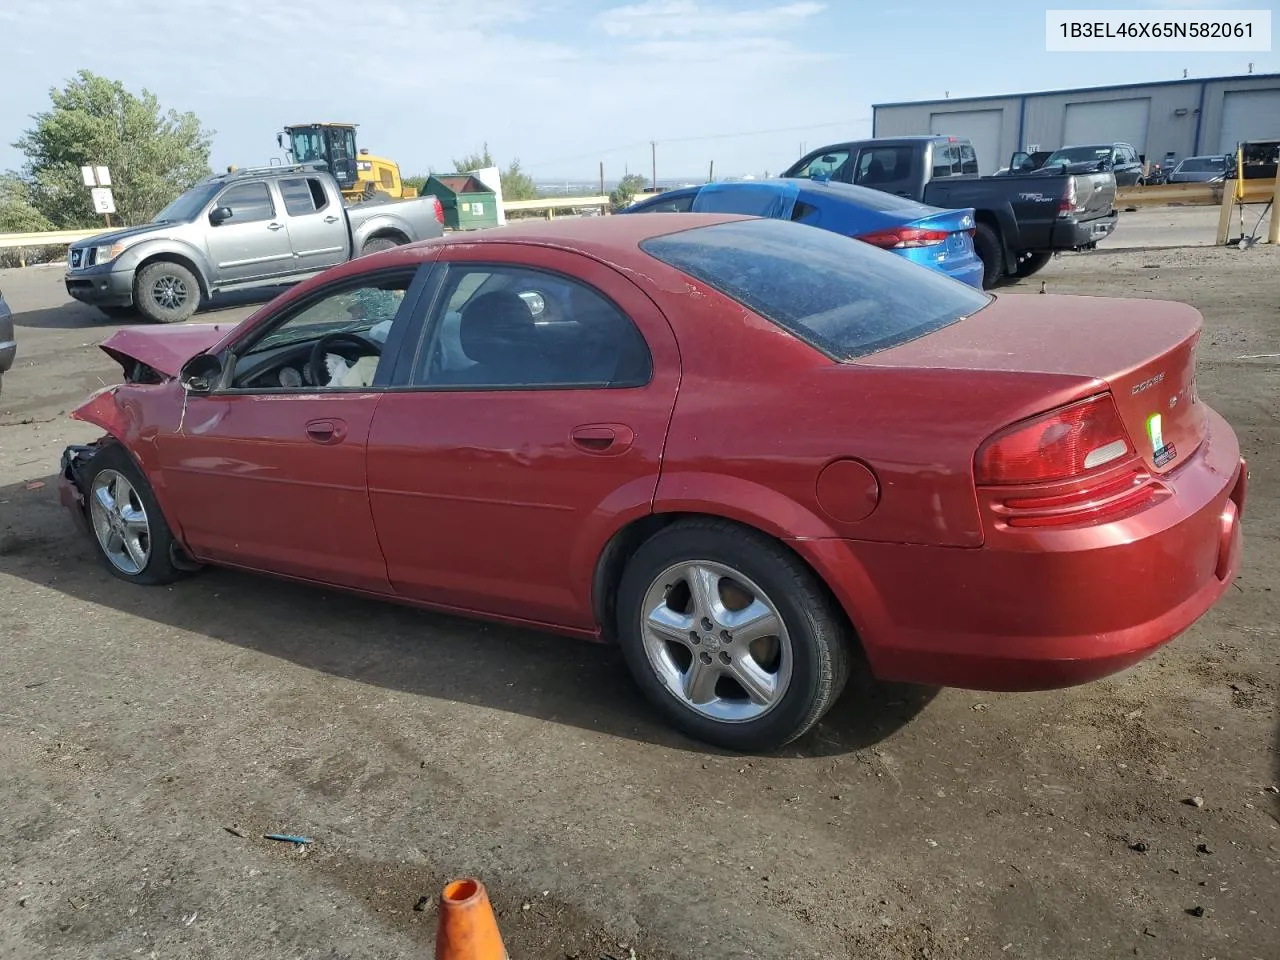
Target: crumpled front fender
<point x="117" y="415"/>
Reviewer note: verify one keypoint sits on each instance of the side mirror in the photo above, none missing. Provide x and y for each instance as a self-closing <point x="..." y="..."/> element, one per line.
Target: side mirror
<point x="219" y="215"/>
<point x="279" y="139"/>
<point x="201" y="373"/>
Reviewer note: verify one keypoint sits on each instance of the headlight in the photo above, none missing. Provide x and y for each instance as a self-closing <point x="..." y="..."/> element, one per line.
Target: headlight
<point x="107" y="253"/>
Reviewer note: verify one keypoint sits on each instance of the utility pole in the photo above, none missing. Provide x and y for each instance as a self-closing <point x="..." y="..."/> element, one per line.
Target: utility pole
<point x="653" y="156"/>
<point x="711" y="172"/>
<point x="602" y="178"/>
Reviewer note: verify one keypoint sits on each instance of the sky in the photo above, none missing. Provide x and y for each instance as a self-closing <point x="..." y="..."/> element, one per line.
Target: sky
<point x="561" y="85"/>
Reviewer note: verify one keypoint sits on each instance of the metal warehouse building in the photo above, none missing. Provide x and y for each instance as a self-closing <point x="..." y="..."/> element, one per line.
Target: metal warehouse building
<point x="1184" y="117"/>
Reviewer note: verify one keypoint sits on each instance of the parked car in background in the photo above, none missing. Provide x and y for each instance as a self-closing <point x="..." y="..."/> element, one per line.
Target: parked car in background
<point x="752" y="453"/>
<point x="256" y="227"/>
<point x="1121" y="159"/>
<point x="930" y="236"/>
<point x="1200" y="170"/>
<point x="8" y="339"/>
<point x="1019" y="224"/>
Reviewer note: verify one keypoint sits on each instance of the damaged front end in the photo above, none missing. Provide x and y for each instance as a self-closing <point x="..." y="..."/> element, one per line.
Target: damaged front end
<point x="71" y="480"/>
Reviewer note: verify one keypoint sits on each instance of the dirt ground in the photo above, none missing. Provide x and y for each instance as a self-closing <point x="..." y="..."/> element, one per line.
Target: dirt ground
<point x="150" y="737"/>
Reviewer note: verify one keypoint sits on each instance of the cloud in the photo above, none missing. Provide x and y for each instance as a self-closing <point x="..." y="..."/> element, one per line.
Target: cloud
<point x="682" y="18"/>
<point x="428" y="79"/>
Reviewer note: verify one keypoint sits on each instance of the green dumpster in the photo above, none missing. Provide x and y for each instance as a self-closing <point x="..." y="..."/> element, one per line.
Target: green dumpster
<point x="468" y="204"/>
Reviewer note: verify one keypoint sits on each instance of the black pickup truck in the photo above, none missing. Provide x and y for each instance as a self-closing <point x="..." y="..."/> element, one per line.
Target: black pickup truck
<point x="1022" y="219"/>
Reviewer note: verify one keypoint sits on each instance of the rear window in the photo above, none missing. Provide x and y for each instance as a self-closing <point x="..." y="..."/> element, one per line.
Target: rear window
<point x="842" y="296"/>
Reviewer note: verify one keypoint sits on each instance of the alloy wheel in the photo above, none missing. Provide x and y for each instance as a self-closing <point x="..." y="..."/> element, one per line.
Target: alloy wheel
<point x="120" y="522"/>
<point x="716" y="641"/>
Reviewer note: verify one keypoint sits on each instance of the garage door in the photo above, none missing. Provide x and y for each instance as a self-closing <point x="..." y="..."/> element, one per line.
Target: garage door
<point x="1249" y="115"/>
<point x="1107" y="121"/>
<point x="982" y="127"/>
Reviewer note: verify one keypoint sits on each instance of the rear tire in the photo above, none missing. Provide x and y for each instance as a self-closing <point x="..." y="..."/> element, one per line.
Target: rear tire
<point x="376" y="245"/>
<point x="1033" y="263"/>
<point x="166" y="292"/>
<point x="773" y="629"/>
<point x="129" y="531"/>
<point x="987" y="245"/>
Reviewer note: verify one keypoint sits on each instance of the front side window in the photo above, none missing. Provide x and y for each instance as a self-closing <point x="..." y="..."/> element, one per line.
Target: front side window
<point x="824" y="166"/>
<point x="841" y="296"/>
<point x="248" y="202"/>
<point x="333" y="340"/>
<point x="507" y="327"/>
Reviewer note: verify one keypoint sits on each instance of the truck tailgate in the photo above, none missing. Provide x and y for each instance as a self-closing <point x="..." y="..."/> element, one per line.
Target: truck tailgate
<point x="1095" y="194"/>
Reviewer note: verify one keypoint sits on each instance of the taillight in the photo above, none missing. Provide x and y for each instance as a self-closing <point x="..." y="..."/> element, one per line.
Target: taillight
<point x="1073" y="465"/>
<point x="1065" y="443"/>
<point x="1067" y="205"/>
<point x="901" y="237"/>
<point x="439" y="210"/>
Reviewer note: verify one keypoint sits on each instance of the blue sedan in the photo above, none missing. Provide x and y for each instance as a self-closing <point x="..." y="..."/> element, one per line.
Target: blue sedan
<point x="939" y="239"/>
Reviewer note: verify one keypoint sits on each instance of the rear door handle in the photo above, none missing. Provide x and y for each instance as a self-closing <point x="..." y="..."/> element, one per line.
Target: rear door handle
<point x="603" y="438"/>
<point x="326" y="431"/>
<point x="275" y="226"/>
<point x="331" y="219"/>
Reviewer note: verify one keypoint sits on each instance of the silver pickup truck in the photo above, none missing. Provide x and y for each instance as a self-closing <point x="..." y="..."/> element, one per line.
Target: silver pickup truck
<point x="257" y="227"/>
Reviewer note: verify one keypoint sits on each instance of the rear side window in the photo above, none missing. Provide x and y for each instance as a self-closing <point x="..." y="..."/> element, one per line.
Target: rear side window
<point x="838" y="294"/>
<point x="302" y="195"/>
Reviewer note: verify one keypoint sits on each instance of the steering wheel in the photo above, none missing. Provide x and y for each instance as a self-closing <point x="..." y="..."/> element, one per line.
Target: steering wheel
<point x="363" y="348"/>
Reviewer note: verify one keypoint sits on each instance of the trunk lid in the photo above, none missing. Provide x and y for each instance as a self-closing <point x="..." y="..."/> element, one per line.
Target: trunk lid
<point x="957" y="223"/>
<point x="164" y="349"/>
<point x="1144" y="351"/>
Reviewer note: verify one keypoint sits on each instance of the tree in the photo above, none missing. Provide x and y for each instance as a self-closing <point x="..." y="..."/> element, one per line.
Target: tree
<point x="626" y="190"/>
<point x="516" y="184"/>
<point x="17" y="215"/>
<point x="153" y="154"/>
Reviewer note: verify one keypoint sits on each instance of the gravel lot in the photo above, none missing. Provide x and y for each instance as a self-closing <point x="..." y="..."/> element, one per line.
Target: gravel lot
<point x="149" y="738"/>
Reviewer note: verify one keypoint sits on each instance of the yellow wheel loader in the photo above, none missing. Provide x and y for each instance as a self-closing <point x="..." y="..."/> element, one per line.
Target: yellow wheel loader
<point x="359" y="175"/>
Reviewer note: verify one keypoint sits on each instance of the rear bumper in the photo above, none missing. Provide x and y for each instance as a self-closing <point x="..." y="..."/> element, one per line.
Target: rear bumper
<point x="101" y="287"/>
<point x="969" y="272"/>
<point x="1048" y="608"/>
<point x="1074" y="234"/>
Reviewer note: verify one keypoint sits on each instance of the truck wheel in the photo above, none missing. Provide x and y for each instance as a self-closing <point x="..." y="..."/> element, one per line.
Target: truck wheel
<point x="166" y="292"/>
<point x="1033" y="263"/>
<point x="377" y="244"/>
<point x="986" y="244"/>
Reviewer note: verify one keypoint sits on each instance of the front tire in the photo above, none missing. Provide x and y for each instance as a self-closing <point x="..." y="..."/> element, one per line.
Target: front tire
<point x="731" y="636"/>
<point x="986" y="244"/>
<point x="166" y="292"/>
<point x="128" y="529"/>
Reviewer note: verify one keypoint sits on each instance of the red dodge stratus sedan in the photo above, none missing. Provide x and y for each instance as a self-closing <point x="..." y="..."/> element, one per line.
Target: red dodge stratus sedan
<point x="743" y="449"/>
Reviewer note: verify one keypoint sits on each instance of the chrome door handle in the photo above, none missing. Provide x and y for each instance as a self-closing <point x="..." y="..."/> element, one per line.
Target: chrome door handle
<point x="331" y="219"/>
<point x="274" y="226"/>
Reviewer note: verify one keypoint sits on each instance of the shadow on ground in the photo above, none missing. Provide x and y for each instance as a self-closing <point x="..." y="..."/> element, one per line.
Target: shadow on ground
<point x="418" y="652"/>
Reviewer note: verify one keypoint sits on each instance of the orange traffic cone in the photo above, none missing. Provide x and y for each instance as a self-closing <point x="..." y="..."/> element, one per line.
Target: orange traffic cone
<point x="467" y="928"/>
